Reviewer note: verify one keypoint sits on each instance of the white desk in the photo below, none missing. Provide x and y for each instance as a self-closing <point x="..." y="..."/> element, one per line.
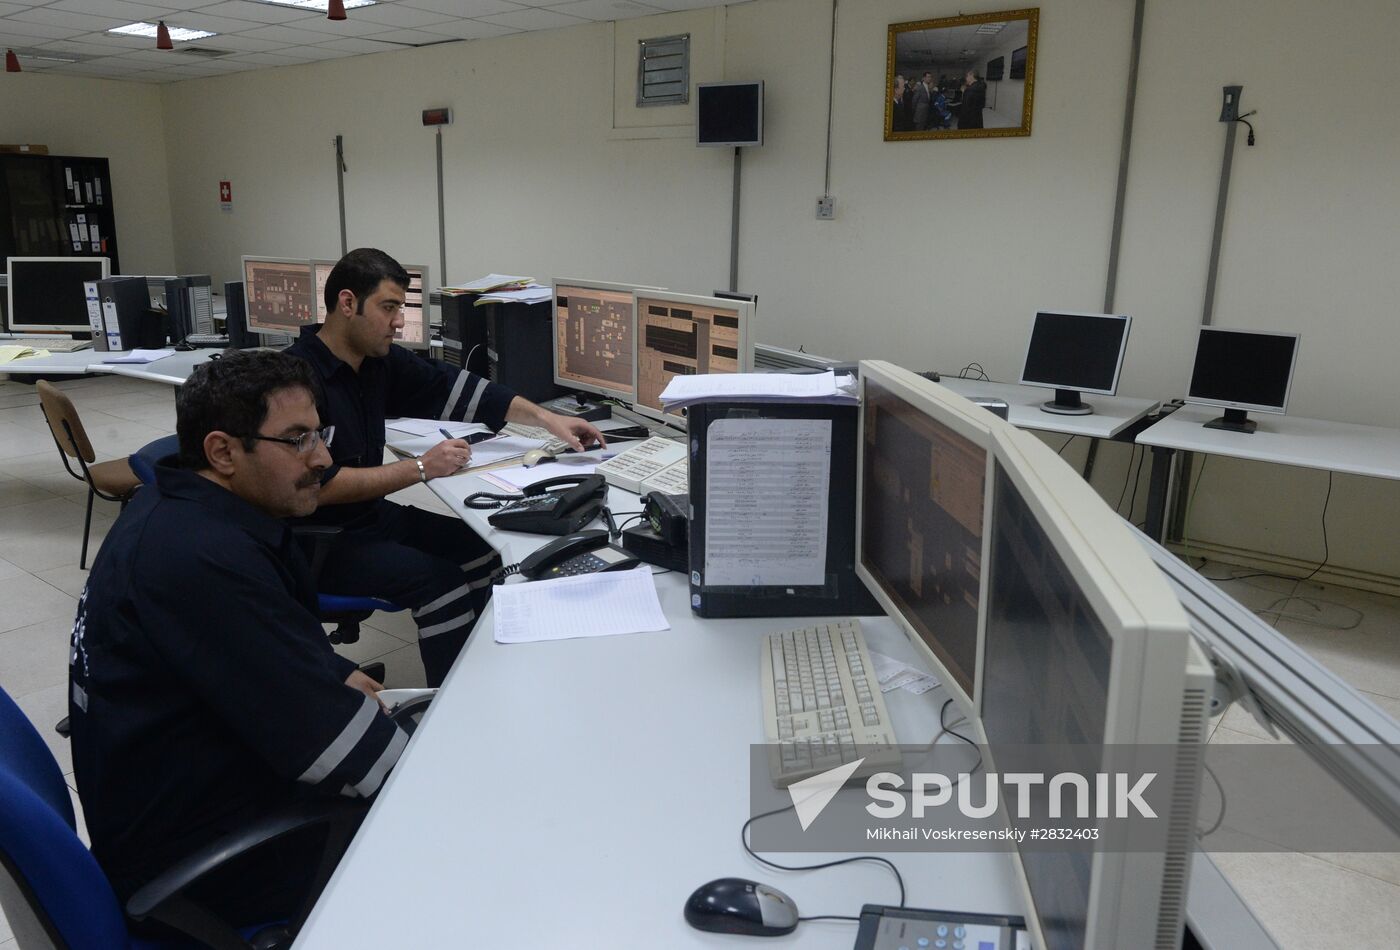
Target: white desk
<point x="1111" y="415"/>
<point x="172" y="370"/>
<point x="1286" y="440"/>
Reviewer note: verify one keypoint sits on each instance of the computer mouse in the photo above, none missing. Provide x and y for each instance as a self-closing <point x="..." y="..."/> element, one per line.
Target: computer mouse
<point x="732" y="905"/>
<point x="535" y="457"/>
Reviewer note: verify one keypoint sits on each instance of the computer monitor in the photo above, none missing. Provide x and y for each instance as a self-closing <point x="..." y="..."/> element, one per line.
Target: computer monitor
<point x="922" y="477"/>
<point x="1088" y="666"/>
<point x="414" y="332"/>
<point x="278" y="294"/>
<point x="685" y="335"/>
<point x="46" y="293"/>
<point x="1073" y="353"/>
<point x="595" y="326"/>
<point x="1242" y="370"/>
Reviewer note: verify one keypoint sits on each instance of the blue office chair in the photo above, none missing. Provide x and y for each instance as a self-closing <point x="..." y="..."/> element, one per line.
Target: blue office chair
<point x="347" y="613"/>
<point x="54" y="893"/>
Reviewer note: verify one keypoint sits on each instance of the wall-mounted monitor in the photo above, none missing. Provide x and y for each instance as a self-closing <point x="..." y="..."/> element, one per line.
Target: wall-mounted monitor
<point x="729" y="114"/>
<point x="414" y="332"/>
<point x="1073" y="353"/>
<point x="685" y="335"/>
<point x="922" y="477"/>
<point x="1240" y="371"/>
<point x="46" y="293"/>
<point x="995" y="68"/>
<point x="279" y="294"/>
<point x="595" y="328"/>
<point x="1018" y="64"/>
<point x="1089" y="667"/>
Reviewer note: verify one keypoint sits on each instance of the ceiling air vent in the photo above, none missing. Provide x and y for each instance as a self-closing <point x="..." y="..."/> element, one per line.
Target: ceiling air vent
<point x="203" y="52"/>
<point x="663" y="71"/>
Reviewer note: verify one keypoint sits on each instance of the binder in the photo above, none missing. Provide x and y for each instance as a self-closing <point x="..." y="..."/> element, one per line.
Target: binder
<point x="125" y="303"/>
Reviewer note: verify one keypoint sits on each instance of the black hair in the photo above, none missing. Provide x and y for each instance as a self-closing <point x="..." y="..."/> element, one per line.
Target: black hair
<point x="361" y="271"/>
<point x="230" y="395"/>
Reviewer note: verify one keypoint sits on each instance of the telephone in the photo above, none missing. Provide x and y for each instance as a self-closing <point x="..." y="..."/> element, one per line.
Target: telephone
<point x="559" y="505"/>
<point x="583" y="552"/>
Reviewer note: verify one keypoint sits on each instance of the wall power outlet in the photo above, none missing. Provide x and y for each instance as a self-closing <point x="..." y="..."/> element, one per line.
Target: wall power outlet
<point x="826" y="208"/>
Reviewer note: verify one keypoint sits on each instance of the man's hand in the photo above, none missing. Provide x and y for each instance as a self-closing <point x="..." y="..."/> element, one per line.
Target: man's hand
<point x="579" y="433"/>
<point x="358" y="680"/>
<point x="448" y="457"/>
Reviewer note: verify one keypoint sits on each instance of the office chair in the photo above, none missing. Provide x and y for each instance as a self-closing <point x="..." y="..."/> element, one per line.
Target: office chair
<point x="111" y="481"/>
<point x="347" y="613"/>
<point x="54" y="894"/>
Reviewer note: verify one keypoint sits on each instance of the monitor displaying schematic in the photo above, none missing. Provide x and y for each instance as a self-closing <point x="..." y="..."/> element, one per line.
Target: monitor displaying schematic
<point x="684" y="335"/>
<point x="595" y="325"/>
<point x="279" y="294"/>
<point x="921" y="513"/>
<point x="414" y="332"/>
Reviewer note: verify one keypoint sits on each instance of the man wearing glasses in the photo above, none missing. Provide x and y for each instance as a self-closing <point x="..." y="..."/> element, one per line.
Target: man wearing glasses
<point x="429" y="562"/>
<point x="203" y="691"/>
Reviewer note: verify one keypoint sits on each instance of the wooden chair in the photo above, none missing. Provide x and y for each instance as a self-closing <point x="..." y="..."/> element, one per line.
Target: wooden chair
<point x="112" y="481"/>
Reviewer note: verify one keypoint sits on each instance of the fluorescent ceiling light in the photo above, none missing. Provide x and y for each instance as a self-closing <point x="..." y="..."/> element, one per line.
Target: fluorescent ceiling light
<point x="47" y="58"/>
<point x="177" y="33"/>
<point x="991" y="28"/>
<point x="318" y="4"/>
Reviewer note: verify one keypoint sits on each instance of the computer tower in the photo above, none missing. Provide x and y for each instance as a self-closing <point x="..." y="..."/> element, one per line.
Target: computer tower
<point x="464" y="333"/>
<point x="127" y="319"/>
<point x="520" y="346"/>
<point x="236" y="318"/>
<point x="189" y="305"/>
<point x="753" y="521"/>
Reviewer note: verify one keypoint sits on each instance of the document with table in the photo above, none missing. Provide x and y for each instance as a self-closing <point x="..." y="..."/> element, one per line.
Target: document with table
<point x="589" y="605"/>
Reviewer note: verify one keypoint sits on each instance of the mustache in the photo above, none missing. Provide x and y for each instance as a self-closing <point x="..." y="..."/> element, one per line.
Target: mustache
<point x="309" y="479"/>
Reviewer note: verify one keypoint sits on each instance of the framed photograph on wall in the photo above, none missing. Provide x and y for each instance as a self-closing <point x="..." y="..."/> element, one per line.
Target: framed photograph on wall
<point x="947" y="78"/>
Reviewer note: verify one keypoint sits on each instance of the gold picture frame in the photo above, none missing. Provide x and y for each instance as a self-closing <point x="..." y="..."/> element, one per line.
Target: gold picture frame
<point x="928" y="92"/>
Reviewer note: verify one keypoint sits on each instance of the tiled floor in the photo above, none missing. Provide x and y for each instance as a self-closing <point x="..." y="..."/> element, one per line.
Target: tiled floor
<point x="1314" y="901"/>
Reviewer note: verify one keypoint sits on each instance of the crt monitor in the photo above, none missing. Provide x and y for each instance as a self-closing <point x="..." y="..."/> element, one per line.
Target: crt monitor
<point x="1089" y="667"/>
<point x="1240" y="370"/>
<point x="278" y="294"/>
<point x="46" y="293"/>
<point x="414" y="332"/>
<point x="685" y="335"/>
<point x="921" y="496"/>
<point x="1073" y="353"/>
<point x="595" y="324"/>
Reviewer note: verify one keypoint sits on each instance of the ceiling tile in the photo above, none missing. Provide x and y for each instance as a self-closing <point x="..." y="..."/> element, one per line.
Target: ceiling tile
<point x="72" y="22"/>
<point x="605" y="9"/>
<point x="425" y="37"/>
<point x="121" y="9"/>
<point x="471" y="29"/>
<point x="255" y="12"/>
<point x="400" y="16"/>
<point x="534" y="19"/>
<point x="465" y="8"/>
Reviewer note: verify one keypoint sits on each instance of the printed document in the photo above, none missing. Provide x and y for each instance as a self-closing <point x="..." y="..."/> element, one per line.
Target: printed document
<point x="766" y="502"/>
<point x="585" y="605"/>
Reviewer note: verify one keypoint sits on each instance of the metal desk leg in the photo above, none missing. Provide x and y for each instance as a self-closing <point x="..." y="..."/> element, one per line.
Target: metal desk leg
<point x="1157" y="491"/>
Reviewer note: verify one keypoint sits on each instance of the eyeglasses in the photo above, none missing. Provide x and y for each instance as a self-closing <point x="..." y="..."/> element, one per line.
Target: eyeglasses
<point x="306" y="442"/>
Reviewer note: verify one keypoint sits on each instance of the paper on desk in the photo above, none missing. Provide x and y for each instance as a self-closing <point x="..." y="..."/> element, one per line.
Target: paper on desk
<point x="763" y="387"/>
<point x="895" y="674"/>
<point x="490" y="282"/>
<point x="483" y="453"/>
<point x="517" y="477"/>
<point x="434" y="427"/>
<point x="531" y="293"/>
<point x="13" y="351"/>
<point x="392" y="699"/>
<point x="138" y="356"/>
<point x="585" y="605"/>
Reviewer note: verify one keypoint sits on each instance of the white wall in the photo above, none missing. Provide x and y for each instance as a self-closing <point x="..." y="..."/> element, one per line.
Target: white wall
<point x="940" y="251"/>
<point x="119" y="121"/>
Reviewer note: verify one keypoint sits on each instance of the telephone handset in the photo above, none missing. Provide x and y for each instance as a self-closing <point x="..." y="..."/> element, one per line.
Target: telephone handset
<point x="560" y="505"/>
<point x="584" y="552"/>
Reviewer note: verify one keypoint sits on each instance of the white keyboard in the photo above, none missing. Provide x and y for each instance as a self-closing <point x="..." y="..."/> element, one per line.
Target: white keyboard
<point x="54" y="344"/>
<point x="553" y="444"/>
<point x="822" y="705"/>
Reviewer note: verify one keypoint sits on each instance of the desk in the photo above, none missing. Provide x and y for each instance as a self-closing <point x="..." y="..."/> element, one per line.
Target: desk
<point x="1286" y="440"/>
<point x="1111" y="415"/>
<point x="172" y="370"/>
<point x="580" y="790"/>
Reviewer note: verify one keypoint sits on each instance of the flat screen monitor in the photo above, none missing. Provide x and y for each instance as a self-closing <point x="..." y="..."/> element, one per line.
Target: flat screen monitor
<point x="46" y="293"/>
<point x="1089" y="667"/>
<point x="595" y="328"/>
<point x="922" y="490"/>
<point x="1242" y="370"/>
<point x="279" y="294"/>
<point x="1073" y="353"/>
<point x="414" y="332"/>
<point x="684" y="335"/>
<point x="729" y="114"/>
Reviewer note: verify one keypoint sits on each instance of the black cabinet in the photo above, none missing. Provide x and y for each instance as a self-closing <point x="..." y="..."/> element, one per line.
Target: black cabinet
<point x="57" y="206"/>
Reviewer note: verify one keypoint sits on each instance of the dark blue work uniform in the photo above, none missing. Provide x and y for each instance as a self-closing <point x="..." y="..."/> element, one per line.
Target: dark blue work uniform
<point x="203" y="692"/>
<point x="432" y="563"/>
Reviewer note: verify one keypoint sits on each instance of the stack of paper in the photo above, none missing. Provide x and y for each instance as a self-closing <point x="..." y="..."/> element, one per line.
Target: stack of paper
<point x="488" y="283"/>
<point x="529" y="293"/>
<point x="138" y="356"/>
<point x="586" y="605"/>
<point x="759" y="387"/>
